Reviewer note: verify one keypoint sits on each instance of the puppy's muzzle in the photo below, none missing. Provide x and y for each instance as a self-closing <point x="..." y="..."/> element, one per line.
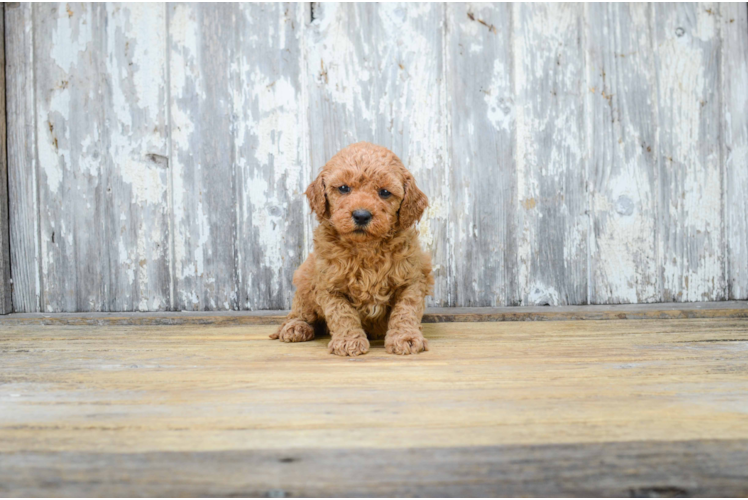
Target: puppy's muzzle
<point x="361" y="217"/>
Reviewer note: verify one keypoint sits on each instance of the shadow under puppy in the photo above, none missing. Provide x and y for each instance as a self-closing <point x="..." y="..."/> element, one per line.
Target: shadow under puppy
<point x="368" y="274"/>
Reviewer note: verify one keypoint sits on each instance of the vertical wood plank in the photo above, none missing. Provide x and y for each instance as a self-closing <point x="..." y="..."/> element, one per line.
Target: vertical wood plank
<point x="690" y="225"/>
<point x="621" y="113"/>
<point x="136" y="138"/>
<point x="483" y="175"/>
<point x="101" y="128"/>
<point x="237" y="146"/>
<point x="553" y="225"/>
<point x="733" y="21"/>
<point x="22" y="164"/>
<point x="69" y="68"/>
<point x="202" y="51"/>
<point x="269" y="130"/>
<point x="6" y="304"/>
<point x="375" y="73"/>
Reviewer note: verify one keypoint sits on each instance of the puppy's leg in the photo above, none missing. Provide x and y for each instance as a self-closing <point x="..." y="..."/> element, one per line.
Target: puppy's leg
<point x="348" y="338"/>
<point x="297" y="327"/>
<point x="294" y="330"/>
<point x="404" y="333"/>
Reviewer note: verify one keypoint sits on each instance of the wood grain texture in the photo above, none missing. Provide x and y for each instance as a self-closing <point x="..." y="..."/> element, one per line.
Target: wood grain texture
<point x="630" y="469"/>
<point x="100" y="134"/>
<point x="22" y="162"/>
<point x="483" y="185"/>
<point x="690" y="228"/>
<point x="157" y="155"/>
<point x="553" y="224"/>
<point x="136" y="137"/>
<point x="6" y="302"/>
<point x="272" y="161"/>
<point x="622" y="174"/>
<point x="733" y="24"/>
<point x="679" y="310"/>
<point x="201" y="53"/>
<point x="375" y="73"/>
<point x="73" y="172"/>
<point x="100" y="399"/>
<point x="237" y="153"/>
<point x="494" y="384"/>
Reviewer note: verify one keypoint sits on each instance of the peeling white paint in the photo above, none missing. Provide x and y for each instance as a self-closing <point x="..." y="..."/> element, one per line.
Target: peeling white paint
<point x="690" y="241"/>
<point x="499" y="98"/>
<point x="186" y="84"/>
<point x="540" y="294"/>
<point x="71" y="37"/>
<point x="51" y="159"/>
<point x="336" y="59"/>
<point x="548" y="66"/>
<point x="336" y="80"/>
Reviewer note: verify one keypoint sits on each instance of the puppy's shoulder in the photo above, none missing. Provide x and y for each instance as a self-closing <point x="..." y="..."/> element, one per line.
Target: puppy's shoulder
<point x="407" y="245"/>
<point x="305" y="272"/>
<point x="408" y="257"/>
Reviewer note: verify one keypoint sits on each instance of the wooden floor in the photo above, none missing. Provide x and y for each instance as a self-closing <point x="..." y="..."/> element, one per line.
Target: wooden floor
<point x="616" y="407"/>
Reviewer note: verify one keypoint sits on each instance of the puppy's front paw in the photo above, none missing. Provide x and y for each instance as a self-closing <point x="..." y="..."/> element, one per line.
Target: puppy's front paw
<point x="295" y="330"/>
<point x="405" y="342"/>
<point x="349" y="346"/>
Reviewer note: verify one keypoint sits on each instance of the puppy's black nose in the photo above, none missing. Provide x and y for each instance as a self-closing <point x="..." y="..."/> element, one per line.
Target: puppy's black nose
<point x="361" y="217"/>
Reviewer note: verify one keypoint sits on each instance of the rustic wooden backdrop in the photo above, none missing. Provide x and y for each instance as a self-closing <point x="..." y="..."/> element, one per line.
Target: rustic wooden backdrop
<point x="6" y="304"/>
<point x="573" y="154"/>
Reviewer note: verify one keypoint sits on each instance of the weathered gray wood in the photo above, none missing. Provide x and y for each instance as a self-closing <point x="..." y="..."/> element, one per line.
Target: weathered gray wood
<point x="483" y="186"/>
<point x="627" y="469"/>
<point x="6" y="303"/>
<point x="621" y="134"/>
<point x="619" y="408"/>
<point x="136" y="138"/>
<point x="658" y="311"/>
<point x="22" y="164"/>
<point x="270" y="132"/>
<point x="375" y="73"/>
<point x="101" y="143"/>
<point x="201" y="52"/>
<point x="733" y="22"/>
<point x="237" y="145"/>
<point x="72" y="169"/>
<point x="157" y="154"/>
<point x="690" y="226"/>
<point x="548" y="83"/>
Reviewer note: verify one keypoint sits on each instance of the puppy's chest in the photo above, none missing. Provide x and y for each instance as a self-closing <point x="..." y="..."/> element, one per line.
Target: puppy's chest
<point x="370" y="289"/>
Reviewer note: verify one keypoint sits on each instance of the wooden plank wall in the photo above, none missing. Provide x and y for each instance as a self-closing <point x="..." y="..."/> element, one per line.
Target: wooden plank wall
<point x="734" y="142"/>
<point x="6" y="305"/>
<point x="238" y="167"/>
<point x="573" y="154"/>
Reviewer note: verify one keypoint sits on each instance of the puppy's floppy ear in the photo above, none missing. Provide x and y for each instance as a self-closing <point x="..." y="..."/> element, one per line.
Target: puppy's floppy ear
<point x="316" y="195"/>
<point x="413" y="204"/>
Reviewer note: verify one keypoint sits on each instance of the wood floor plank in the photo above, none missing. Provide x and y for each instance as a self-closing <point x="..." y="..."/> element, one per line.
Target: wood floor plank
<point x="633" y="469"/>
<point x="725" y="309"/>
<point x="201" y="388"/>
<point x="112" y="410"/>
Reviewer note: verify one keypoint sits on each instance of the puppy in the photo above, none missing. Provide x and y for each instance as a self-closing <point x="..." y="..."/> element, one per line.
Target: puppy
<point x="367" y="274"/>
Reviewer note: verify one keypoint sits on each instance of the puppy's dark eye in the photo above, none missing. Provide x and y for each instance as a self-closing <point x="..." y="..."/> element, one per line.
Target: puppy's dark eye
<point x="383" y="193"/>
<point x="344" y="189"/>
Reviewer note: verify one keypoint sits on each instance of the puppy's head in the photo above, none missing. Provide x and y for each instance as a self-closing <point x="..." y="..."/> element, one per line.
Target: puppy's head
<point x="366" y="193"/>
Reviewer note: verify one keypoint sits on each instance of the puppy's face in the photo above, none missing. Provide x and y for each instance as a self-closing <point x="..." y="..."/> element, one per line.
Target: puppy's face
<point x="366" y="193"/>
<point x="364" y="202"/>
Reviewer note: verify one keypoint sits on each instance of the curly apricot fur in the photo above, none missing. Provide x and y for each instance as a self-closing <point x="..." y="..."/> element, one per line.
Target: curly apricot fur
<point x="363" y="282"/>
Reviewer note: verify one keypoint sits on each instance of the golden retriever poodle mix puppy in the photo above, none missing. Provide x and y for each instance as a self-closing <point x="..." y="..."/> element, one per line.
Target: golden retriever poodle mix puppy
<point x="367" y="274"/>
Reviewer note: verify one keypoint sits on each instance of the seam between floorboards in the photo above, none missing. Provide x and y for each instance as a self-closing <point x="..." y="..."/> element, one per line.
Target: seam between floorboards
<point x="704" y="310"/>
